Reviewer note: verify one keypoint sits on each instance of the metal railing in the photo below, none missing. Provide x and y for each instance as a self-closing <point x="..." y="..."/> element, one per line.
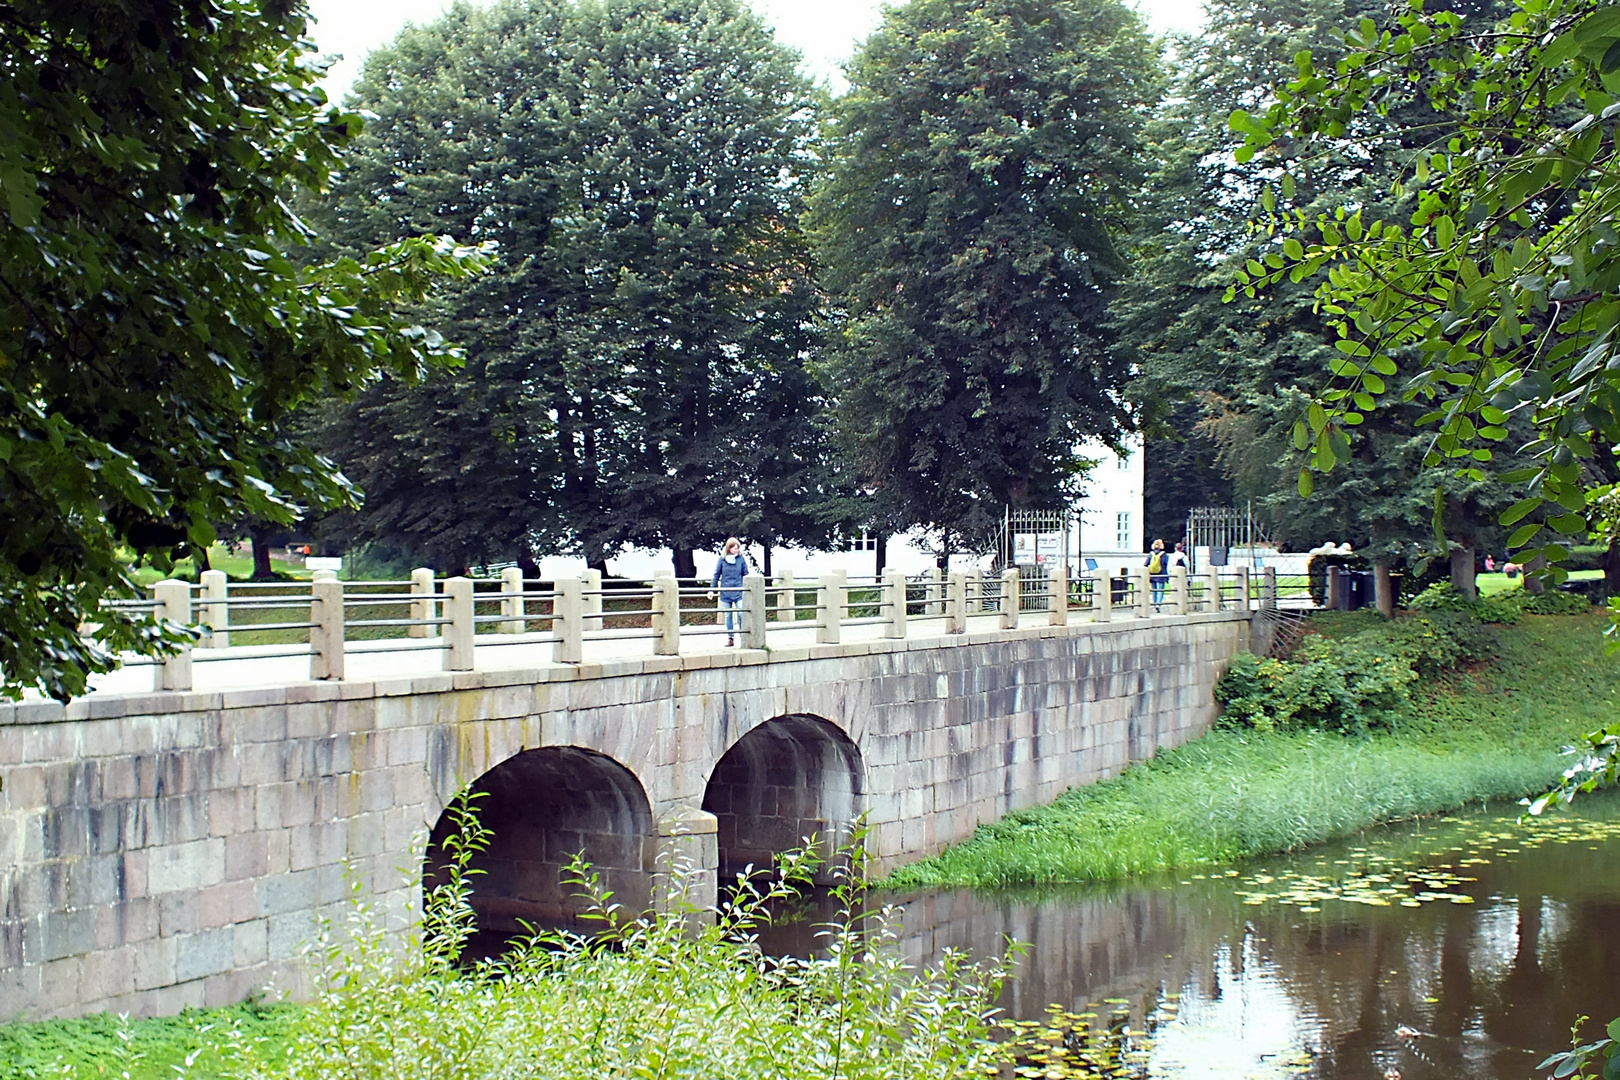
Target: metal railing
<point x="328" y="621"/>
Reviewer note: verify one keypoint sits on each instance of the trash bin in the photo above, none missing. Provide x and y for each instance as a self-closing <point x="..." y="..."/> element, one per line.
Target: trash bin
<point x="1359" y="590"/>
<point x="1118" y="587"/>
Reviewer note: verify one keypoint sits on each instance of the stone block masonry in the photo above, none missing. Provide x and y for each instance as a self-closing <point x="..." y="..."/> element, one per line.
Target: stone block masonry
<point x="172" y="849"/>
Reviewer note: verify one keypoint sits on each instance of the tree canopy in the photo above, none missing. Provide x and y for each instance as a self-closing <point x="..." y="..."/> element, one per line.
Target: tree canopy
<point x="977" y="174"/>
<point x="156" y="328"/>
<point x="636" y="361"/>
<point x="1496" y="295"/>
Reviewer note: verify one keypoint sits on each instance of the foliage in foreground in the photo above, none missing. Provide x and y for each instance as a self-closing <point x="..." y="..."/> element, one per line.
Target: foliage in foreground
<point x="1494" y="733"/>
<point x="155" y="331"/>
<point x="652" y="995"/>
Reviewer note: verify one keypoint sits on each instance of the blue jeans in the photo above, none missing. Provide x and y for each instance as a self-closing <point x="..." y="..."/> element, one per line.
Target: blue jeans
<point x="1159" y="582"/>
<point x="729" y="602"/>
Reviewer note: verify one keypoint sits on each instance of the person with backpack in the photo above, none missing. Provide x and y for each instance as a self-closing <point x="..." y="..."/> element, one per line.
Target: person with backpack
<point x="728" y="578"/>
<point x="1158" y="567"/>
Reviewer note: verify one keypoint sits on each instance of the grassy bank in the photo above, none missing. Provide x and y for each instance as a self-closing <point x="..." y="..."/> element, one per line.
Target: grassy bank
<point x="1486" y="735"/>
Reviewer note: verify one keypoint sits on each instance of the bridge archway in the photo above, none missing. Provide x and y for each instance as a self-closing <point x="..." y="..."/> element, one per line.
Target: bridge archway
<point x="543" y="806"/>
<point x="788" y="778"/>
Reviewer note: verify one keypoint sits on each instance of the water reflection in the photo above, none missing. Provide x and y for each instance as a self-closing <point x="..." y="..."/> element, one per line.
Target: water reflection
<point x="1347" y="991"/>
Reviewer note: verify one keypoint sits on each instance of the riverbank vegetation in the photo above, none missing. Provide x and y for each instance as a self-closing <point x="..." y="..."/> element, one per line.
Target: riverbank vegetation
<point x="663" y="994"/>
<point x="1464" y="733"/>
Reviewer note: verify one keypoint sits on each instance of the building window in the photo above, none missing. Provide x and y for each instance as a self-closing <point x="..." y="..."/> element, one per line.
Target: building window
<point x="1124" y="462"/>
<point x="864" y="542"/>
<point x="1122" y="531"/>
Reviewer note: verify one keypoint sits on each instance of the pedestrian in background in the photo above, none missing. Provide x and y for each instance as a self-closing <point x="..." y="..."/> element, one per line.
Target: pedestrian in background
<point x="728" y="578"/>
<point x="1158" y="568"/>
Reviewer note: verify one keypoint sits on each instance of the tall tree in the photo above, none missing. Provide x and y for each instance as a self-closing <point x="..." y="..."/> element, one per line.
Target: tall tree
<point x="1251" y="363"/>
<point x="636" y="363"/>
<point x="154" y="330"/>
<point x="1496" y="295"/>
<point x="977" y="172"/>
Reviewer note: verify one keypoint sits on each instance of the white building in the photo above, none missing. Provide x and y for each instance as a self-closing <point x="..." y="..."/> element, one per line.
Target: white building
<point x="1105" y="532"/>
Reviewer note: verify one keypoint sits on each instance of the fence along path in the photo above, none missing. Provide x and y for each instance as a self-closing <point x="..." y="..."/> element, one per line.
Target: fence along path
<point x="276" y="634"/>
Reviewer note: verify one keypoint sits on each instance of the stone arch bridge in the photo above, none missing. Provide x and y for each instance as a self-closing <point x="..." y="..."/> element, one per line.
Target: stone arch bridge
<point x="160" y="850"/>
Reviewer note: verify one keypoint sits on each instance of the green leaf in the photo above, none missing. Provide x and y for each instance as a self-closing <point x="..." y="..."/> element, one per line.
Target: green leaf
<point x="1302" y="437"/>
<point x="1519" y="510"/>
<point x="1306" y="483"/>
<point x="1523" y="535"/>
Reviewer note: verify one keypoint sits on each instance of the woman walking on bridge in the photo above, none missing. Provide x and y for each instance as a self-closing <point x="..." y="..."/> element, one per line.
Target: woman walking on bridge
<point x="728" y="578"/>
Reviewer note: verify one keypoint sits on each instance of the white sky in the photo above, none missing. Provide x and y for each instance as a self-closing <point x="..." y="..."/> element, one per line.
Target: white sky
<point x="825" y="31"/>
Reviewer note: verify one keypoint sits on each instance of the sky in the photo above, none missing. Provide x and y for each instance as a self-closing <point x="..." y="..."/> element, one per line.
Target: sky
<point x="825" y="31"/>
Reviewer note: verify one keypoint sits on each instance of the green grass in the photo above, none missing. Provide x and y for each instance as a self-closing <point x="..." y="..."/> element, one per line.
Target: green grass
<point x="1488" y="736"/>
<point x="1492" y="584"/>
<point x="237" y="567"/>
<point x="105" y="1045"/>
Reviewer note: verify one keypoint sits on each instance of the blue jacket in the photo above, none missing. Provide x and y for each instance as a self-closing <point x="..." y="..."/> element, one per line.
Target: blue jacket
<point x="728" y="576"/>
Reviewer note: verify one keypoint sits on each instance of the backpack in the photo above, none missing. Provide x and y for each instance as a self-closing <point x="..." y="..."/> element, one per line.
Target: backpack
<point x="1156" y="563"/>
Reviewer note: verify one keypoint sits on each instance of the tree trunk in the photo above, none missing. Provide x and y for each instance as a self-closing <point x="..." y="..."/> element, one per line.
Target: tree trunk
<point x="1534" y="585"/>
<point x="766" y="568"/>
<point x="882" y="541"/>
<point x="1611" y="568"/>
<point x="530" y="568"/>
<point x="203" y="564"/>
<point x="1462" y="572"/>
<point x="1384" y="590"/>
<point x="685" y="564"/>
<point x="262" y="570"/>
<point x="599" y="564"/>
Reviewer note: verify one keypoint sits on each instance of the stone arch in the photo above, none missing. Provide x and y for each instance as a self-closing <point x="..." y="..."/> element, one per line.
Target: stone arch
<point x="543" y="806"/>
<point x="786" y="779"/>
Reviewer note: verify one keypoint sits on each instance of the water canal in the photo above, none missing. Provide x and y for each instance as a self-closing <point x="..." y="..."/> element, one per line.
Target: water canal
<point x="1454" y="948"/>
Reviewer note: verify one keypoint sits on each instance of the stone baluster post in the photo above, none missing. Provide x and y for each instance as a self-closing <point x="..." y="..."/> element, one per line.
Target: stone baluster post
<point x="1010" y="598"/>
<point x="216" y="609"/>
<point x="1213" y="575"/>
<point x="666" y="615"/>
<point x="512" y="600"/>
<point x="591" y="599"/>
<point x="458" y="632"/>
<point x="173" y="605"/>
<point x="1180" y="601"/>
<point x="1102" y="597"/>
<point x="1144" y="593"/>
<point x="787" y="602"/>
<point x="1268" y="588"/>
<point x="975" y="592"/>
<point x="567" y="621"/>
<point x="326" y="636"/>
<point x="1245" y="587"/>
<point x="832" y="599"/>
<point x="956" y="601"/>
<point x="1057" y="603"/>
<point x="933" y="590"/>
<point x="894" y="604"/>
<point x="422" y="584"/>
<point x="755" y="610"/>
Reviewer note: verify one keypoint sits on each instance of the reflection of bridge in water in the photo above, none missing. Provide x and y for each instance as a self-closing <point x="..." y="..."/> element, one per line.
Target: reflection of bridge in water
<point x="175" y="847"/>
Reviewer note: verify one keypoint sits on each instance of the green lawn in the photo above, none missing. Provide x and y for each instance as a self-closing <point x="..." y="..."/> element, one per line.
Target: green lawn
<point x="1492" y="584"/>
<point x="1491" y="735"/>
<point x="238" y="567"/>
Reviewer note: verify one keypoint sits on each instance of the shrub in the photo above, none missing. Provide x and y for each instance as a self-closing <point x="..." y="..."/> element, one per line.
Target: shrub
<point x="1556" y="602"/>
<point x="1443" y="596"/>
<point x="1350" y="684"/>
<point x="660" y="994"/>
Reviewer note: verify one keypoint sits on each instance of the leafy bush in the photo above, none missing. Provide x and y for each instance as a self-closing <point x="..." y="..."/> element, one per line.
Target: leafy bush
<point x="1553" y="602"/>
<point x="1443" y="596"/>
<point x="1350" y="684"/>
<point x="661" y="994"/>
